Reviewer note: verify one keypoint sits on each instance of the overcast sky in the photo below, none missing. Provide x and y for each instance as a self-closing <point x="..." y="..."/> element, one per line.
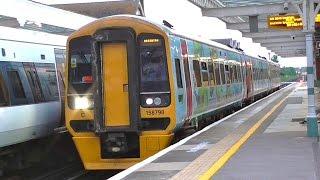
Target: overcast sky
<point x="187" y="18"/>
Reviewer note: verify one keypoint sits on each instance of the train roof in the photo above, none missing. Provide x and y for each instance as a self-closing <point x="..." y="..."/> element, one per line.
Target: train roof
<point x="33" y="37"/>
<point x="170" y="31"/>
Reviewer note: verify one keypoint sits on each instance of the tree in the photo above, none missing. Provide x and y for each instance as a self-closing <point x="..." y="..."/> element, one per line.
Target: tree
<point x="275" y="58"/>
<point x="288" y="74"/>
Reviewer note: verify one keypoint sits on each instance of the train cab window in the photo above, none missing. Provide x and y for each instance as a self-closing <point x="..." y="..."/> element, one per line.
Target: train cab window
<point x="17" y="87"/>
<point x="204" y="73"/>
<point x="223" y="78"/>
<point x="211" y="73"/>
<point x="178" y="73"/>
<point x="80" y="65"/>
<point x="196" y="69"/>
<point x="153" y="64"/>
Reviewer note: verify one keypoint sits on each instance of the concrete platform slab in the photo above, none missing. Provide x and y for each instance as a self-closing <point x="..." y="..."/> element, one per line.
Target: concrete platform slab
<point x="193" y="157"/>
<point x="281" y="151"/>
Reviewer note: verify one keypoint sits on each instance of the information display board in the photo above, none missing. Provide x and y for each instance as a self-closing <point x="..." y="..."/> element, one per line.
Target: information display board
<point x="288" y="22"/>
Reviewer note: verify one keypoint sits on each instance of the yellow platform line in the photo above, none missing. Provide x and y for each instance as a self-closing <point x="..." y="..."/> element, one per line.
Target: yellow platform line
<point x="224" y="159"/>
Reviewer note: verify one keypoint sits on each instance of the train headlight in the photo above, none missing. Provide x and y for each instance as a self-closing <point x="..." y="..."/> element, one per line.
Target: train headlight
<point x="157" y="101"/>
<point x="81" y="103"/>
<point x="149" y="101"/>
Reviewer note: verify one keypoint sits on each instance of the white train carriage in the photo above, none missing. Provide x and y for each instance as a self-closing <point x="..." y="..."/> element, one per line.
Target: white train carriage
<point x="30" y="87"/>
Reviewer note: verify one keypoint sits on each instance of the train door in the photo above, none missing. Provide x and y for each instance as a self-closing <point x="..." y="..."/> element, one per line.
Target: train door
<point x="180" y="94"/>
<point x="184" y="51"/>
<point x="114" y="56"/>
<point x="117" y="100"/>
<point x="249" y="80"/>
<point x="60" y="55"/>
<point x="243" y="71"/>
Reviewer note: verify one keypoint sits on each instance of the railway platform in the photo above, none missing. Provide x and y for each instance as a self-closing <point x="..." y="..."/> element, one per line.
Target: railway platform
<point x="266" y="140"/>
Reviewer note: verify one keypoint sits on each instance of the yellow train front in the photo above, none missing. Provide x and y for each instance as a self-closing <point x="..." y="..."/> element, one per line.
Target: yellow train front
<point x="120" y="109"/>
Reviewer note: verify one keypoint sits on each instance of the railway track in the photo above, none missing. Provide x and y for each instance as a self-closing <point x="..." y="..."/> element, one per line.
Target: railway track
<point x="66" y="172"/>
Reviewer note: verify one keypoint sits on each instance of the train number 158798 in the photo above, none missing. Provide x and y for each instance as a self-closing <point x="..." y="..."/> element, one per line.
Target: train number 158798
<point x="155" y="112"/>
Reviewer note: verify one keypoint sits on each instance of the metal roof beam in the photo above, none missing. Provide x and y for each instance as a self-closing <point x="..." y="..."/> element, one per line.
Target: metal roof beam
<point x="203" y="3"/>
<point x="272" y="34"/>
<point x="291" y="54"/>
<point x="283" y="44"/>
<point x="245" y="25"/>
<point x="279" y="39"/>
<point x="287" y="48"/>
<point x="290" y="51"/>
<point x="248" y="10"/>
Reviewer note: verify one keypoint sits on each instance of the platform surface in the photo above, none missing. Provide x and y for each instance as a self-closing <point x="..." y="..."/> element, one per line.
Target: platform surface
<point x="279" y="149"/>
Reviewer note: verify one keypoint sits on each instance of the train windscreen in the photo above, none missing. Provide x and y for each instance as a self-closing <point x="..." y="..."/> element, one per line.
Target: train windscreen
<point x="80" y="66"/>
<point x="153" y="64"/>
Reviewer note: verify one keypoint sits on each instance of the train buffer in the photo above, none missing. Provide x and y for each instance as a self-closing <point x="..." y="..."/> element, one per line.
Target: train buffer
<point x="262" y="141"/>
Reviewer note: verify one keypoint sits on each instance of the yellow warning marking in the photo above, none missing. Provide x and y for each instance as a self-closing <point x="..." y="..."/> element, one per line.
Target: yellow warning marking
<point x="224" y="159"/>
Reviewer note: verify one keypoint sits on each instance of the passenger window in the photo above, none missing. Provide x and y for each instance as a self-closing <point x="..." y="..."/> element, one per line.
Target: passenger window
<point x="48" y="81"/>
<point x="3" y="51"/>
<point x="3" y="101"/>
<point x="217" y="73"/>
<point x="234" y="74"/>
<point x="178" y="73"/>
<point x="17" y="87"/>
<point x="223" y="79"/>
<point x="211" y="73"/>
<point x="231" y="73"/>
<point x="239" y="73"/>
<point x="196" y="69"/>
<point x="35" y="86"/>
<point x="227" y="74"/>
<point x="204" y="73"/>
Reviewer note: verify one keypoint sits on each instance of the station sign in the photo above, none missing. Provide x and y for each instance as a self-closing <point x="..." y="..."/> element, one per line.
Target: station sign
<point x="288" y="22"/>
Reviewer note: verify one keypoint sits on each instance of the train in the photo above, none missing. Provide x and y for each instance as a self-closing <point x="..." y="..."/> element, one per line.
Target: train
<point x="31" y="91"/>
<point x="131" y="84"/>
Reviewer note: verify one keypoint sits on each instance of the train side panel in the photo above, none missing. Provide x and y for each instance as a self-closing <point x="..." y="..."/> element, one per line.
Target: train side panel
<point x="29" y="93"/>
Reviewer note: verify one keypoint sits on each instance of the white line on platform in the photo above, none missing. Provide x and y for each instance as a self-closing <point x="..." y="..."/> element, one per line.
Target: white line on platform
<point x="137" y="166"/>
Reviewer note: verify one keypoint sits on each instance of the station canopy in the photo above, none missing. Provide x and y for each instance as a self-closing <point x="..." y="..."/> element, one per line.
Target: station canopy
<point x="101" y="8"/>
<point x="60" y="17"/>
<point x="275" y="24"/>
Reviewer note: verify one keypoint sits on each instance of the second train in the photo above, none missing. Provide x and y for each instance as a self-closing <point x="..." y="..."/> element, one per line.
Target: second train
<point x="132" y="84"/>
